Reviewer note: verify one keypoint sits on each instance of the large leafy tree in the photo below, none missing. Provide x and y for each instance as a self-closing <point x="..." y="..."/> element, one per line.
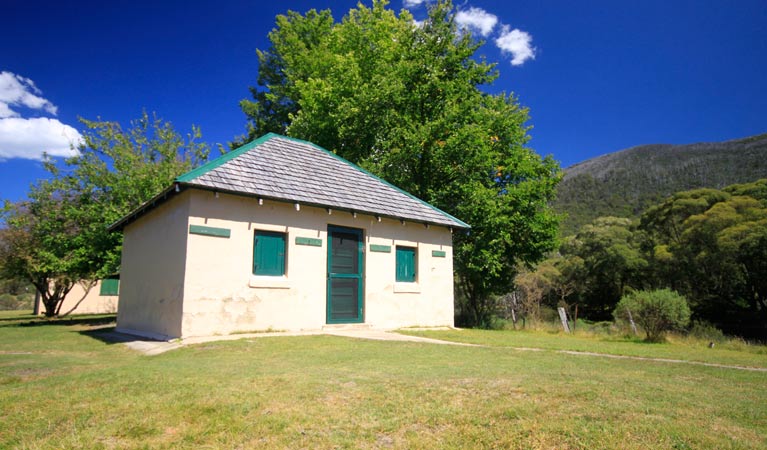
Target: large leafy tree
<point x="610" y="262"/>
<point x="405" y="102"/>
<point x="43" y="244"/>
<point x="711" y="245"/>
<point x="59" y="236"/>
<point x="722" y="251"/>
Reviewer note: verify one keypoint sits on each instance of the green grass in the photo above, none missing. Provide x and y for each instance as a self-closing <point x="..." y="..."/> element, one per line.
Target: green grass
<point x="62" y="388"/>
<point x="688" y="349"/>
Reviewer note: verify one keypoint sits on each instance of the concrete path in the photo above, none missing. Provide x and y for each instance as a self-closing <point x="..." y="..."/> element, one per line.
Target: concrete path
<point x="384" y="335"/>
<point x="663" y="360"/>
<point x="149" y="347"/>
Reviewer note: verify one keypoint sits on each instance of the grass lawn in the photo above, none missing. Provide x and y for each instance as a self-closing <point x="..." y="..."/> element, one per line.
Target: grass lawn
<point x="730" y="353"/>
<point x="62" y="388"/>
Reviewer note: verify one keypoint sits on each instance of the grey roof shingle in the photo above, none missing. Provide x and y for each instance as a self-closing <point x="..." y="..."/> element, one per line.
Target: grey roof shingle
<point x="291" y="170"/>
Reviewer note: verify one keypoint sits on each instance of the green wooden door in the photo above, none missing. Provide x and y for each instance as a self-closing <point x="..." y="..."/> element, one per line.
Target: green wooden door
<point x="345" y="261"/>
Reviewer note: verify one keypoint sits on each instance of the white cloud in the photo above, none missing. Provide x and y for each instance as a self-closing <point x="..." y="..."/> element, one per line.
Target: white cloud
<point x="413" y="3"/>
<point x="16" y="90"/>
<point x="30" y="138"/>
<point x="477" y="20"/>
<point x="516" y="42"/>
<point x="5" y="111"/>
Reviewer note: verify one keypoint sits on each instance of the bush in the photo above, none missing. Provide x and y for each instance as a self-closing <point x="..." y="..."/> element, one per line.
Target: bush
<point x="10" y="302"/>
<point x="707" y="332"/>
<point x="655" y="311"/>
<point x="599" y="328"/>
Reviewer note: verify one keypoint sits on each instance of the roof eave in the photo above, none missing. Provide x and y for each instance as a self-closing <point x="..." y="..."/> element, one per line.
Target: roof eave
<point x="457" y="225"/>
<point x="146" y="206"/>
<point x="177" y="187"/>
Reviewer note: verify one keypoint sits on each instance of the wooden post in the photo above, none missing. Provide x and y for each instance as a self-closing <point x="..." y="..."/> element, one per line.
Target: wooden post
<point x="36" y="308"/>
<point x="631" y="321"/>
<point x="514" y="309"/>
<point x="563" y="317"/>
<point x="513" y="318"/>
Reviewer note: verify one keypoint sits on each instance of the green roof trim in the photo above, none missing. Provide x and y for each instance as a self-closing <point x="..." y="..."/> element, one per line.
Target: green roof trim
<point x="221" y="160"/>
<point x="226" y="157"/>
<point x="210" y="231"/>
<point x="314" y="242"/>
<point x="380" y="248"/>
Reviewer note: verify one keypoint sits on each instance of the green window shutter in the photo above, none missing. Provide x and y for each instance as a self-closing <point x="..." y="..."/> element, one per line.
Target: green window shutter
<point x="268" y="253"/>
<point x="110" y="286"/>
<point x="406" y="267"/>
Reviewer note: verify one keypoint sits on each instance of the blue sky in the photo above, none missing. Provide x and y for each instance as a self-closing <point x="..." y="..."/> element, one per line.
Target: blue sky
<point x="597" y="76"/>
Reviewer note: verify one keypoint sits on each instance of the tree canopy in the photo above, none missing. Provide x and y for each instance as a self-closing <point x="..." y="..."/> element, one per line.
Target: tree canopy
<point x="709" y="245"/>
<point x="405" y="101"/>
<point x="59" y="236"/>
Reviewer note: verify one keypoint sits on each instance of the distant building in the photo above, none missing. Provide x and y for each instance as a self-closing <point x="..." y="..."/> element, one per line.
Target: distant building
<point x="282" y="234"/>
<point x="100" y="298"/>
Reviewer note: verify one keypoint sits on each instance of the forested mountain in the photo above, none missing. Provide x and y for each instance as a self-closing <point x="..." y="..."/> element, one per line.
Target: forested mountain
<point x="624" y="183"/>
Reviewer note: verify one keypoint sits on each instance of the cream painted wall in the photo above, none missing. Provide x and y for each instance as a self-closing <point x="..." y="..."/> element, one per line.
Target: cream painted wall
<point x="92" y="302"/>
<point x="222" y="296"/>
<point x="152" y="271"/>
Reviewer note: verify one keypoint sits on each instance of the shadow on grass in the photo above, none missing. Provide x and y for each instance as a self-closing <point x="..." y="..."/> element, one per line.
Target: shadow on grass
<point x="32" y="321"/>
<point x="17" y="318"/>
<point x="103" y="319"/>
<point x="109" y="336"/>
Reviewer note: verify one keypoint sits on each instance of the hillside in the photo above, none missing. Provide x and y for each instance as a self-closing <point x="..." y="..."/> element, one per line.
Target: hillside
<point x="624" y="183"/>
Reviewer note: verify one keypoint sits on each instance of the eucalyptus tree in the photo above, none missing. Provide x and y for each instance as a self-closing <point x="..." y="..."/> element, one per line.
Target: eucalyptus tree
<point x="409" y="103"/>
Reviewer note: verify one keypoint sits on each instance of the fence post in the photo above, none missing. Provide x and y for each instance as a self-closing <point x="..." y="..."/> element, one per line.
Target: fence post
<point x="563" y="317"/>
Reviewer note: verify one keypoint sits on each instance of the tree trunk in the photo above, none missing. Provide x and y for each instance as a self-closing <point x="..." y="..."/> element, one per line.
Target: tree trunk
<point x="87" y="288"/>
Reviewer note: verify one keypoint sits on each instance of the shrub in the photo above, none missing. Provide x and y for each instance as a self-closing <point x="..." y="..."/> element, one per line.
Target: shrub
<point x="600" y="328"/>
<point x="706" y="331"/>
<point x="10" y="302"/>
<point x="656" y="312"/>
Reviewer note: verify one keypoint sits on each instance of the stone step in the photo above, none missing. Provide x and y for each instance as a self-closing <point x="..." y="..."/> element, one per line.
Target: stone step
<point x="346" y="326"/>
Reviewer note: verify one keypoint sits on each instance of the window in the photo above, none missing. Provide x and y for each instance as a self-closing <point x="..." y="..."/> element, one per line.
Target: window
<point x="406" y="264"/>
<point x="110" y="286"/>
<point x="268" y="253"/>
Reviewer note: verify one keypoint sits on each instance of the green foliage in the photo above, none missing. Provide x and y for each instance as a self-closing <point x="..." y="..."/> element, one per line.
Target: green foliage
<point x="706" y="331"/>
<point x="709" y="245"/>
<point x="611" y="261"/>
<point x="59" y="236"/>
<point x="712" y="246"/>
<point x="117" y="170"/>
<point x="625" y="183"/>
<point x="16" y="302"/>
<point x="44" y="243"/>
<point x="756" y="190"/>
<point x="405" y="102"/>
<point x="15" y="293"/>
<point x="657" y="312"/>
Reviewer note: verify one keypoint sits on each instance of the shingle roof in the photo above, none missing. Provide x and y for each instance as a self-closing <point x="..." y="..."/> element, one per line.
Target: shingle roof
<point x="287" y="169"/>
